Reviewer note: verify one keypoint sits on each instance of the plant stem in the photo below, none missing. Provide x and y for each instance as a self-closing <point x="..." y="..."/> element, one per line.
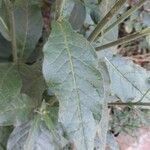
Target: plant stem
<point x="59" y="5"/>
<point x="125" y="39"/>
<point x="10" y="10"/>
<point x="105" y="20"/>
<point x="128" y="104"/>
<point x="124" y="16"/>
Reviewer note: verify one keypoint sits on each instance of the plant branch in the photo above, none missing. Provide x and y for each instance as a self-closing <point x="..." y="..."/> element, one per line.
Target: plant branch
<point x="105" y="20"/>
<point x="128" y="104"/>
<point x="124" y="16"/>
<point x="125" y="39"/>
<point x="10" y="10"/>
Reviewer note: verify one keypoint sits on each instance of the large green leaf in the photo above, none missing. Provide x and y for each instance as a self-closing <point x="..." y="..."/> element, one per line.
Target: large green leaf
<point x="28" y="22"/>
<point x="69" y="69"/>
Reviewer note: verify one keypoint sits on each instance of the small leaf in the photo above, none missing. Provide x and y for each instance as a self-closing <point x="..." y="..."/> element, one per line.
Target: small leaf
<point x="28" y="21"/>
<point x="69" y="68"/>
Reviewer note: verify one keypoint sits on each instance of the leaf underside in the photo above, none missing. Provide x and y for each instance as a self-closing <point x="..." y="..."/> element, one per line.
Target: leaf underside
<point x="69" y="68"/>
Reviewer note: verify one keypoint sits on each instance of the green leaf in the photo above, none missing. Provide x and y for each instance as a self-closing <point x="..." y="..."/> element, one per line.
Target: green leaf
<point x="28" y="22"/>
<point x="33" y="81"/>
<point x="69" y="68"/>
<point x="16" y="110"/>
<point x="35" y="135"/>
<point x="10" y="82"/>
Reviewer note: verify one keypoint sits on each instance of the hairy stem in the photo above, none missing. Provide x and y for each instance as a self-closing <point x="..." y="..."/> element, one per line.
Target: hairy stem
<point x="59" y="5"/>
<point x="123" y="17"/>
<point x="125" y="39"/>
<point x="10" y="10"/>
<point x="105" y="20"/>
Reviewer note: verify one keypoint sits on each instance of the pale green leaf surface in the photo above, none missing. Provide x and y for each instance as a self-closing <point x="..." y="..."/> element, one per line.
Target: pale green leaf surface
<point x="69" y="69"/>
<point x="102" y="126"/>
<point x="33" y="136"/>
<point x="129" y="77"/>
<point x="16" y="110"/>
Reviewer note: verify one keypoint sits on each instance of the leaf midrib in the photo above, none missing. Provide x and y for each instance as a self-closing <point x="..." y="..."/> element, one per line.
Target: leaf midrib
<point x="74" y="81"/>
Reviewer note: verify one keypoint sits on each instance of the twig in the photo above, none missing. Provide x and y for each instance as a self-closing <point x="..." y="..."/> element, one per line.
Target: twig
<point x="105" y="20"/>
<point x="129" y="104"/>
<point x="124" y="16"/>
<point x="125" y="39"/>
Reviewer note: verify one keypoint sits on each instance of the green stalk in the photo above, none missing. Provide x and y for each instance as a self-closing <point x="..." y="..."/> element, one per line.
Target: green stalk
<point x="123" y="17"/>
<point x="125" y="39"/>
<point x="105" y="20"/>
